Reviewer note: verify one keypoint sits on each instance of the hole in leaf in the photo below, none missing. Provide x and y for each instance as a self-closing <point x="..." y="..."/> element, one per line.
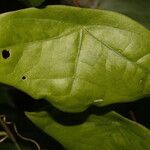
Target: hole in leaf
<point x="23" y="78"/>
<point x="5" y="54"/>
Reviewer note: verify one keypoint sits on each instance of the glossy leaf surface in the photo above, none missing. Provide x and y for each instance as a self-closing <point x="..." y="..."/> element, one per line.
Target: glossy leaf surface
<point x="108" y="131"/>
<point x="75" y="57"/>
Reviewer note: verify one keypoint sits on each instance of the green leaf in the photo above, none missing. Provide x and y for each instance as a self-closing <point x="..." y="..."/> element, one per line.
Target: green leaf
<point x="32" y="2"/>
<point x="108" y="131"/>
<point x="75" y="57"/>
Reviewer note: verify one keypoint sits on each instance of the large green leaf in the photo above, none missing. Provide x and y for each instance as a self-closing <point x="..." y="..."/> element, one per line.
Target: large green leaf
<point x="107" y="132"/>
<point x="75" y="57"/>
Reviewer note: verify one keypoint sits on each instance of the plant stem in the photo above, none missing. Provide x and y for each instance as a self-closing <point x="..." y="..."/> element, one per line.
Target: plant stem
<point x="3" y="124"/>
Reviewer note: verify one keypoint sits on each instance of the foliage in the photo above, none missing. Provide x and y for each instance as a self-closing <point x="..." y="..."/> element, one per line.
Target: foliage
<point x="72" y="58"/>
<point x="108" y="131"/>
<point x="41" y="67"/>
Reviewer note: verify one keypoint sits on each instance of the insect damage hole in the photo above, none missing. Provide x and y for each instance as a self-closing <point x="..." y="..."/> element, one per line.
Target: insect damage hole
<point x="5" y="54"/>
<point x="23" y="78"/>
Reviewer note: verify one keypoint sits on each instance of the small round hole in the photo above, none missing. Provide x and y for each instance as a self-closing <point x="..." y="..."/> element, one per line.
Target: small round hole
<point x="5" y="54"/>
<point x="23" y="78"/>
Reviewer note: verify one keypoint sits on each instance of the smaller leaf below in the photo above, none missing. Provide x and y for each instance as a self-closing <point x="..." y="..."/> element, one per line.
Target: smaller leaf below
<point x="108" y="131"/>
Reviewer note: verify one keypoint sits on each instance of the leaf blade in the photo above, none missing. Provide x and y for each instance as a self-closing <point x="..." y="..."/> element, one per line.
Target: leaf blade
<point x="43" y="68"/>
<point x="108" y="131"/>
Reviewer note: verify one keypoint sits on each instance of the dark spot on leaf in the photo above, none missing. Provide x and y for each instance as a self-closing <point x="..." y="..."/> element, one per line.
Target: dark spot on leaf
<point x="23" y="78"/>
<point x="5" y="54"/>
